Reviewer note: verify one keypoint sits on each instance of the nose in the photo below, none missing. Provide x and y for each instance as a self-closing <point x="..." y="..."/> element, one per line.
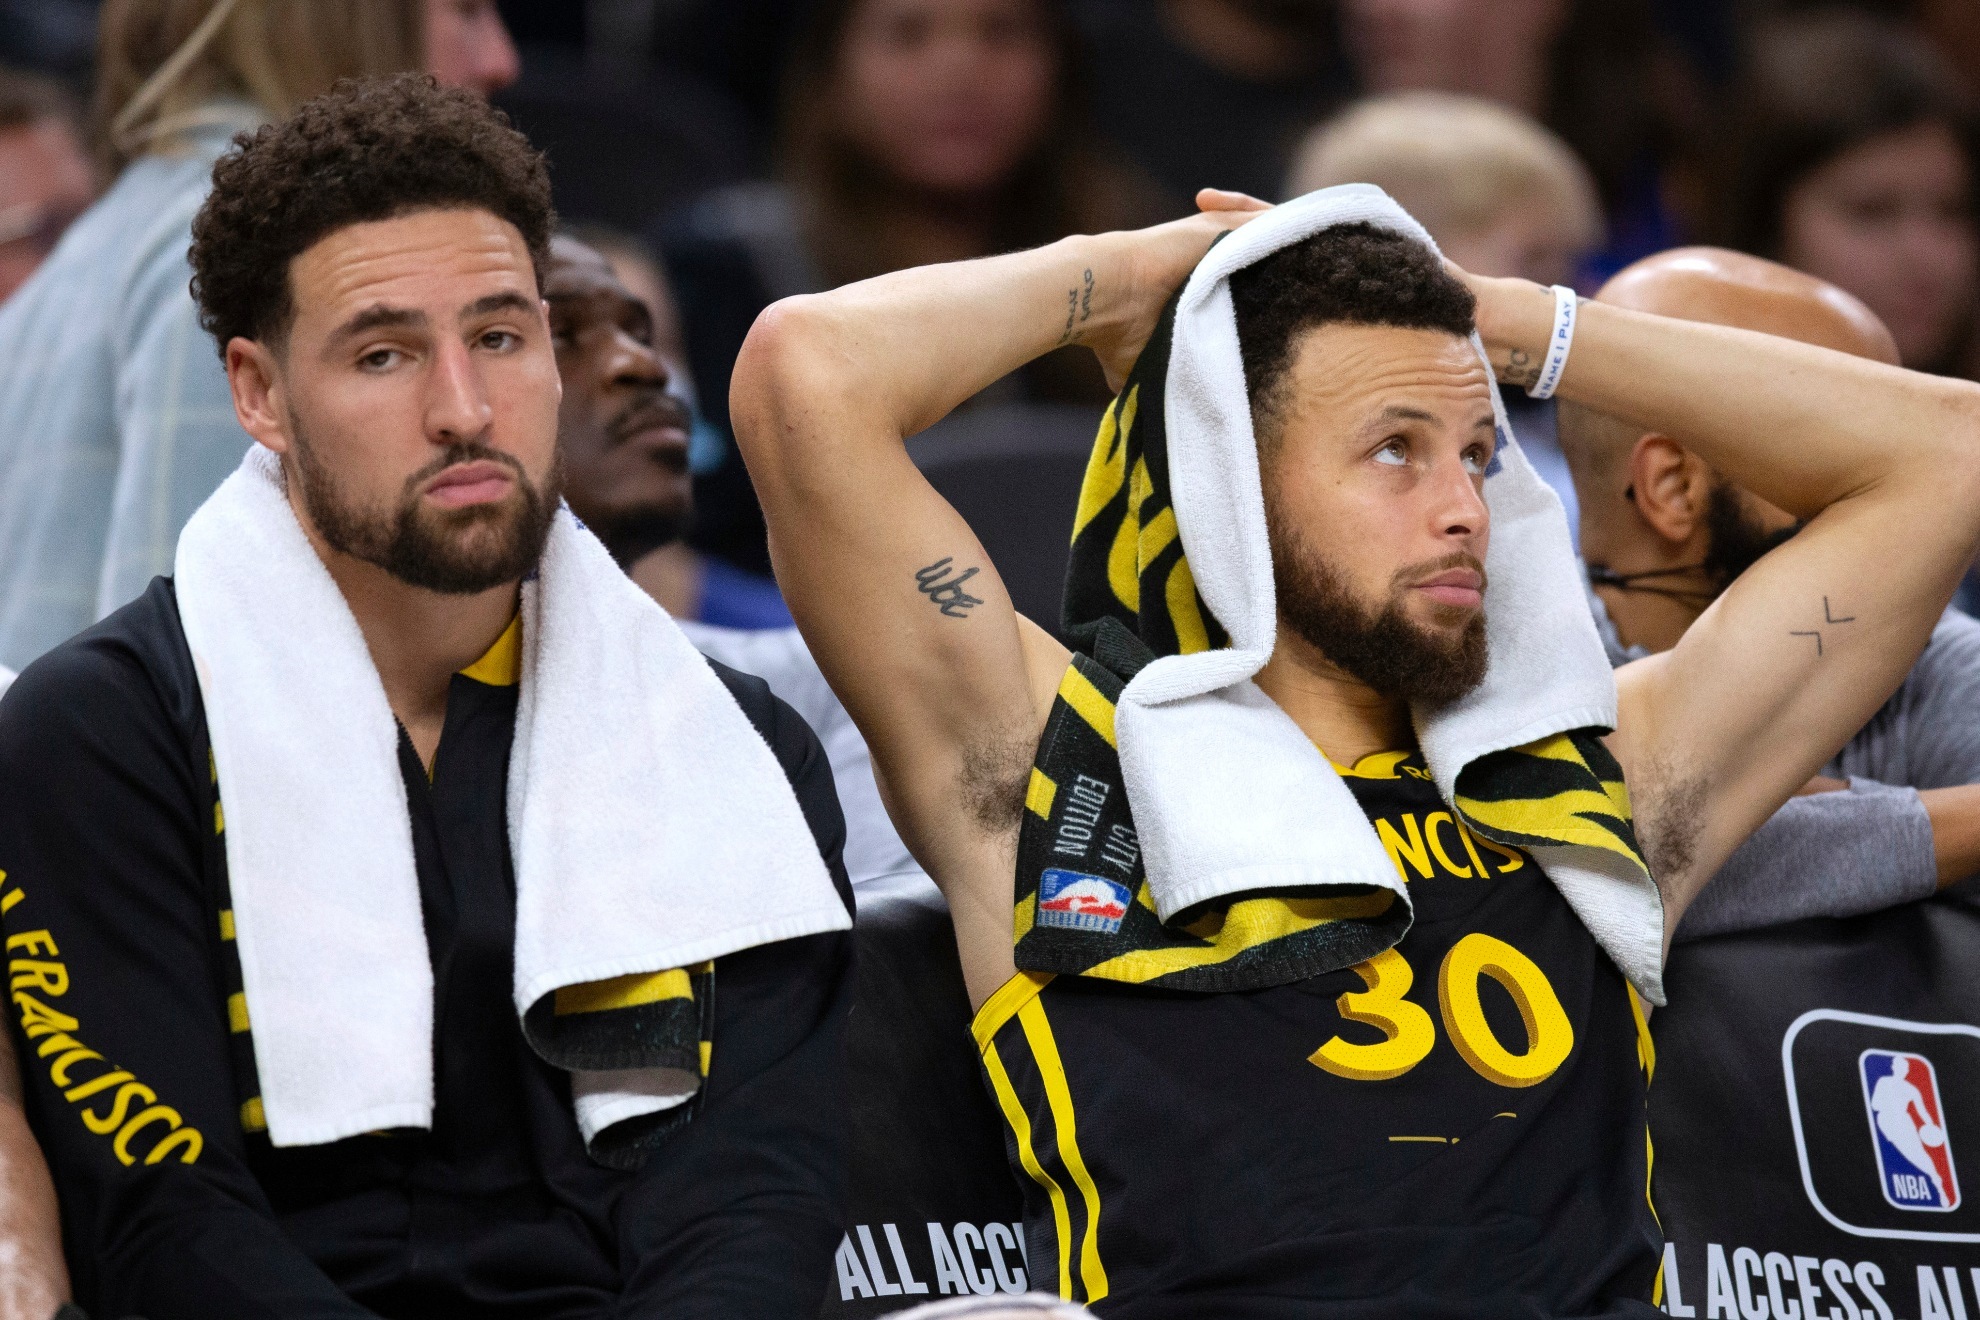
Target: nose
<point x="630" y="362"/>
<point x="1458" y="511"/>
<point x="457" y="407"/>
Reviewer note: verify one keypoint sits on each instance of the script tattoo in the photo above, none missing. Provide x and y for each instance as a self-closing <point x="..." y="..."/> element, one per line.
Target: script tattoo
<point x="946" y="591"/>
<point x="1079" y="307"/>
<point x="1829" y="617"/>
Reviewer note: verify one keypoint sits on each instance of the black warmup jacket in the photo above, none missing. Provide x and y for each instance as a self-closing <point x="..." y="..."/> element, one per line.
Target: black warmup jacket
<point x="175" y="1205"/>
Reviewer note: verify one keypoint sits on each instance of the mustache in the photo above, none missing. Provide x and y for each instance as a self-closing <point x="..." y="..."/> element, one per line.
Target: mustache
<point x="1410" y="574"/>
<point x="652" y="409"/>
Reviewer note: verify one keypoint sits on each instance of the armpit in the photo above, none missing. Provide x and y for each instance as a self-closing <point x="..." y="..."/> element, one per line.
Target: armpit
<point x="995" y="771"/>
<point x="1670" y="815"/>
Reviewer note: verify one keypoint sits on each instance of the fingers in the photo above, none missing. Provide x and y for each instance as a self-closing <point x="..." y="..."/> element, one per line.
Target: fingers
<point x="1217" y="199"/>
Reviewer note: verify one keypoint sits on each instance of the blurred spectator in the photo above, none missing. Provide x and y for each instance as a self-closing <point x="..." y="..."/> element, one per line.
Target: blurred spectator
<point x="1855" y="160"/>
<point x="115" y="417"/>
<point x="915" y="131"/>
<point x="46" y="179"/>
<point x="1594" y="71"/>
<point x="1212" y="93"/>
<point x="52" y="36"/>
<point x="467" y="46"/>
<point x="1499" y="193"/>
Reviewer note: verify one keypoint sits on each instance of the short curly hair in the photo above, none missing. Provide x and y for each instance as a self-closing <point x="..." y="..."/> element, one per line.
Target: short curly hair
<point x="368" y="149"/>
<point x="1352" y="274"/>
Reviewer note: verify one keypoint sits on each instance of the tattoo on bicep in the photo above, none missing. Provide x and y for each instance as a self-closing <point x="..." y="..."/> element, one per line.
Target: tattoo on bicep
<point x="1079" y="308"/>
<point x="944" y="587"/>
<point x="1828" y="617"/>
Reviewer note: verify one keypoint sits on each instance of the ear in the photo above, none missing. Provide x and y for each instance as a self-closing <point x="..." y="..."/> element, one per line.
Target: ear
<point x="1670" y="487"/>
<point x="254" y="376"/>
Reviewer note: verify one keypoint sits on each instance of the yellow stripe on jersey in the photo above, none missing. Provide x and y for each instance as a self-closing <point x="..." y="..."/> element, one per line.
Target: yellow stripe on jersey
<point x="1045" y="1052"/>
<point x="1646" y="1045"/>
<point x="1007" y="1100"/>
<point x="1002" y="1006"/>
<point x="237" y="1014"/>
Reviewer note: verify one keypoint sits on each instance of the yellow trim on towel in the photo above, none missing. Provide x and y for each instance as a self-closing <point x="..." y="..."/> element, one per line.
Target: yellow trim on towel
<point x="1007" y="1100"/>
<point x="237" y="1014"/>
<point x="1245" y="924"/>
<point x="1040" y="793"/>
<point x="623" y="992"/>
<point x="1001" y="1007"/>
<point x="501" y="664"/>
<point x="1077" y="691"/>
<point x="1045" y="1053"/>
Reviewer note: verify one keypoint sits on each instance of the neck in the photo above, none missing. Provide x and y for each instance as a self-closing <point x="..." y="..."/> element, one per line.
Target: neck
<point x="671" y="575"/>
<point x="1343" y="716"/>
<point x="1647" y="619"/>
<point x="418" y="639"/>
<point x="1237" y="39"/>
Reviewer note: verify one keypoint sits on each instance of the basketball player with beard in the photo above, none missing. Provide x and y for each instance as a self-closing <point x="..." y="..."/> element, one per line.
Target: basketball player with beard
<point x="1191" y="1153"/>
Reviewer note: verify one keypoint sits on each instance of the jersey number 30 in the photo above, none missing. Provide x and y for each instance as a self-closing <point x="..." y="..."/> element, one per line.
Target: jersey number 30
<point x="1410" y="1035"/>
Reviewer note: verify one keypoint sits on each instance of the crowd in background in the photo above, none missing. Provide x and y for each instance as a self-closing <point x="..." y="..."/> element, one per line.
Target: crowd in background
<point x="731" y="152"/>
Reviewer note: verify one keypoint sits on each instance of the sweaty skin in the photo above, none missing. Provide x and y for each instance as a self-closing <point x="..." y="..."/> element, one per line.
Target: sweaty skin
<point x="1714" y="734"/>
<point x="1643" y="493"/>
<point x="34" y="1279"/>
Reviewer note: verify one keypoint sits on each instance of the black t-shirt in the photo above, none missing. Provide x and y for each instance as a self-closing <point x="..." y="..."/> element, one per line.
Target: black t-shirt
<point x="1454" y="1128"/>
<point x="174" y="1202"/>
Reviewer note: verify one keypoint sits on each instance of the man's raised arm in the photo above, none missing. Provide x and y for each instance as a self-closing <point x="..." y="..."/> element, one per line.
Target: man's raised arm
<point x="894" y="594"/>
<point x="1884" y="465"/>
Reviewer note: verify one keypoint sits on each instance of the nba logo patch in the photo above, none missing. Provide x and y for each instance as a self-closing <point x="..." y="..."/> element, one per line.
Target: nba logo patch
<point x="1908" y="1129"/>
<point x="1074" y="900"/>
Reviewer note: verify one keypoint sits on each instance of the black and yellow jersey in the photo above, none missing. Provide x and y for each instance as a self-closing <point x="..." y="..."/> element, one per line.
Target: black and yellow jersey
<point x="1453" y="1127"/>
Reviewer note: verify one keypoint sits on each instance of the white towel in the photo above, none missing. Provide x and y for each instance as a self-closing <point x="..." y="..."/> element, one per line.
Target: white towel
<point x="650" y="825"/>
<point x="1229" y="795"/>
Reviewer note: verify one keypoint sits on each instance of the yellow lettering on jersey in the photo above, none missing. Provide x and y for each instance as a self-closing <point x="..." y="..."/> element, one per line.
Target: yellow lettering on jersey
<point x="1408" y="1030"/>
<point x="1413" y="849"/>
<point x="1549" y="1034"/>
<point x="1437" y="847"/>
<point x="1513" y="861"/>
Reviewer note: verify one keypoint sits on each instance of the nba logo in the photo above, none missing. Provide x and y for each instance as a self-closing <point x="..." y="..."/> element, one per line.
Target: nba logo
<point x="1073" y="900"/>
<point x="1908" y="1129"/>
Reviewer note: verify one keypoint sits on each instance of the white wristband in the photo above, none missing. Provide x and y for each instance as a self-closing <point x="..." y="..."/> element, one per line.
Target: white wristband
<point x="1565" y="305"/>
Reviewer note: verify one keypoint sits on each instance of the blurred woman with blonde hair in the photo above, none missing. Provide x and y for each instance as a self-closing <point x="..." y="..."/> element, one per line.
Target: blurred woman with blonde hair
<point x="115" y="418"/>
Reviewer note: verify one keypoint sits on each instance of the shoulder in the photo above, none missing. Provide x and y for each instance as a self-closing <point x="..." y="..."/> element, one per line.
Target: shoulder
<point x="126" y="678"/>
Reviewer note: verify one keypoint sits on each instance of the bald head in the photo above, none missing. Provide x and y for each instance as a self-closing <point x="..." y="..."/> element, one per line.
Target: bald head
<point x="1731" y="288"/>
<point x="1719" y="287"/>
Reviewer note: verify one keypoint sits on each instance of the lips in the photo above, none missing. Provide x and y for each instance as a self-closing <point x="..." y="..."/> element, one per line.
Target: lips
<point x="1462" y="587"/>
<point x="662" y="421"/>
<point x="479" y="482"/>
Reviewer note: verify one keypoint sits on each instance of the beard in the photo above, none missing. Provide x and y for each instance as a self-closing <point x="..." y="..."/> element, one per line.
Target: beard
<point x="1736" y="538"/>
<point x="1377" y="644"/>
<point x="456" y="552"/>
<point x="636" y="533"/>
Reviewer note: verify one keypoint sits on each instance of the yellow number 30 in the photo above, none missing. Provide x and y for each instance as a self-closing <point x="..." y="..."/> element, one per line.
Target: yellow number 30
<point x="1410" y="1034"/>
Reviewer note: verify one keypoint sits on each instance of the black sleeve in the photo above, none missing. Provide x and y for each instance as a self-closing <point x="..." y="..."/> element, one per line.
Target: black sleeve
<point x="117" y="1018"/>
<point x="738" y="1215"/>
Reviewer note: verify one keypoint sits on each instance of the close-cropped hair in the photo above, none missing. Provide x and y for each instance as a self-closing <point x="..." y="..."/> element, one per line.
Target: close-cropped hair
<point x="1456" y="163"/>
<point x="159" y="61"/>
<point x="1816" y="85"/>
<point x="367" y="150"/>
<point x="1353" y="274"/>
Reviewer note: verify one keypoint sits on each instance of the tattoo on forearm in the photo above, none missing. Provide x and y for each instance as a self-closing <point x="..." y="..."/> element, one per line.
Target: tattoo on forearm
<point x="1079" y="308"/>
<point x="944" y="586"/>
<point x="1521" y="369"/>
<point x="1829" y="617"/>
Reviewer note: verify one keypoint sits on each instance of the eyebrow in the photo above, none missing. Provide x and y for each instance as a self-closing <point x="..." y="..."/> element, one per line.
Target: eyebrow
<point x="377" y="317"/>
<point x="507" y="300"/>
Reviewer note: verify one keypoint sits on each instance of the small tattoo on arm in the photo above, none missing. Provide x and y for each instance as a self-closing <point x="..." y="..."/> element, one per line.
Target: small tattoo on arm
<point x="1828" y="616"/>
<point x="1521" y="369"/>
<point x="1079" y="308"/>
<point x="946" y="591"/>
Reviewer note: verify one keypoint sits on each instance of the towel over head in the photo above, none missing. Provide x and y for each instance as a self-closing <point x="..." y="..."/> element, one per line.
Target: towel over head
<point x="1171" y="588"/>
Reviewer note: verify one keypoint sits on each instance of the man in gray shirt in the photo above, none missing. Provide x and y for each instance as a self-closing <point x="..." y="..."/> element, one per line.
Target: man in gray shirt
<point x="1896" y="815"/>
